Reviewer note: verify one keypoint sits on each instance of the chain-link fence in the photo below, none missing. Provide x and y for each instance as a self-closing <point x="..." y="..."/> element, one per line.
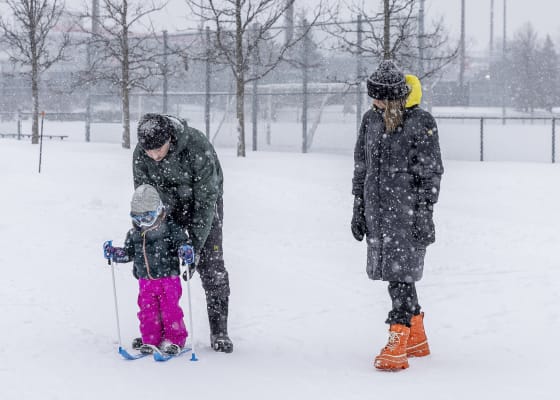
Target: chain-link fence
<point x="330" y="128"/>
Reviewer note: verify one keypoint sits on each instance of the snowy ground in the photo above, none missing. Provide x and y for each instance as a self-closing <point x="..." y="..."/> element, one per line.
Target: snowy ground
<point x="305" y="320"/>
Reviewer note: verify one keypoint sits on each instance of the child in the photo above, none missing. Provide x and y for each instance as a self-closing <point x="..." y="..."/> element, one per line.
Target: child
<point x="155" y="245"/>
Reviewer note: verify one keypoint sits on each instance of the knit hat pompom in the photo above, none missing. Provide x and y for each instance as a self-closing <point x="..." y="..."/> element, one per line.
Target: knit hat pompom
<point x="387" y="82"/>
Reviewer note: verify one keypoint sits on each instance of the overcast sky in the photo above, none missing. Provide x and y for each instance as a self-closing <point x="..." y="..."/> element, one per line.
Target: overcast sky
<point x="544" y="14"/>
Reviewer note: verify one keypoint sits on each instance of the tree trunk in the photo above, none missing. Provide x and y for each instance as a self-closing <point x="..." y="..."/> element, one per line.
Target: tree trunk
<point x="240" y="81"/>
<point x="386" y="31"/>
<point x="125" y="82"/>
<point x="34" y="86"/>
<point x="125" y="116"/>
<point x="240" y="102"/>
<point x="35" y="97"/>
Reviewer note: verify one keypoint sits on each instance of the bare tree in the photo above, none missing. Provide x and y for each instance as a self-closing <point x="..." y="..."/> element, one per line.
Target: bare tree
<point x="31" y="43"/>
<point x="123" y="57"/>
<point x="395" y="32"/>
<point x="240" y="29"/>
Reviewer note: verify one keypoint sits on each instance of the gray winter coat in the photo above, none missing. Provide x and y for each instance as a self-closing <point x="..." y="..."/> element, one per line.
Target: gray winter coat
<point x="398" y="175"/>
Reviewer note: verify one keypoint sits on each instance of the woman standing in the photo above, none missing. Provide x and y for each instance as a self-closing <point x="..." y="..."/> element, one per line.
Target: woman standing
<point x="397" y="173"/>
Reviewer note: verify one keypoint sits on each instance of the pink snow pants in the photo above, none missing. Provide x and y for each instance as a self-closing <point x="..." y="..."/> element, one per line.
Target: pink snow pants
<point x="160" y="315"/>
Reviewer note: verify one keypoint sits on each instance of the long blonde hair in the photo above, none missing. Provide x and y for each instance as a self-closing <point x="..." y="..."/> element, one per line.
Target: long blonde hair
<point x="394" y="114"/>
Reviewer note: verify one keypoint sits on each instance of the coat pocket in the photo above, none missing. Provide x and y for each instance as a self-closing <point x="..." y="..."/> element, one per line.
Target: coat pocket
<point x="423" y="229"/>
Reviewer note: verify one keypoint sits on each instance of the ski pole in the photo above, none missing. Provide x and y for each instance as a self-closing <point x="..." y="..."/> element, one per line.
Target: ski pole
<point x="116" y="301"/>
<point x="193" y="353"/>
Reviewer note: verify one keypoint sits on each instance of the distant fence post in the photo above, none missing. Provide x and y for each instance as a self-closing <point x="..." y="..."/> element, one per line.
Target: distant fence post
<point x="254" y="114"/>
<point x="19" y="124"/>
<point x="41" y="140"/>
<point x="88" y="115"/>
<point x="481" y="139"/>
<point x="553" y="140"/>
<point x="269" y="117"/>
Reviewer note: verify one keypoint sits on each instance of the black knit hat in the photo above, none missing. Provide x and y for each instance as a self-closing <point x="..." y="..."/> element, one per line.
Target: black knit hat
<point x="154" y="130"/>
<point x="387" y="82"/>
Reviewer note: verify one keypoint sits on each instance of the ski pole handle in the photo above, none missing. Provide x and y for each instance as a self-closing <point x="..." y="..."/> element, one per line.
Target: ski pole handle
<point x="107" y="247"/>
<point x="186" y="254"/>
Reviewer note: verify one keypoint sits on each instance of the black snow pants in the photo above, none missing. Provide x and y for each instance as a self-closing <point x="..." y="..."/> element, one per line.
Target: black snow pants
<point x="213" y="274"/>
<point x="405" y="303"/>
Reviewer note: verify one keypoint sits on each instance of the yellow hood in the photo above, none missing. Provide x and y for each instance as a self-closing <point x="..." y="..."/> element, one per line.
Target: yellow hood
<point x="415" y="95"/>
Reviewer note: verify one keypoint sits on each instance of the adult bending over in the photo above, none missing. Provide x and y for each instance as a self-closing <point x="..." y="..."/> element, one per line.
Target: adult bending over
<point x="182" y="165"/>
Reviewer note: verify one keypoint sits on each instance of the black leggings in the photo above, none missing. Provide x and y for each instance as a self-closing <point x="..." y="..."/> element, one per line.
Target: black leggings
<point x="405" y="303"/>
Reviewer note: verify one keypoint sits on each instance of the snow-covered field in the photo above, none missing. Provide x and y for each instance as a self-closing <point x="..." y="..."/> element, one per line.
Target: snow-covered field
<point x="305" y="320"/>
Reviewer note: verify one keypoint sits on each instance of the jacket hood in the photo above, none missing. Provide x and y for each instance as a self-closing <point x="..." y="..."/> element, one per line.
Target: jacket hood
<point x="415" y="95"/>
<point x="177" y="123"/>
<point x="179" y="126"/>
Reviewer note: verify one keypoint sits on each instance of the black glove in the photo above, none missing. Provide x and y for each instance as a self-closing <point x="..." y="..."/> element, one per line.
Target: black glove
<point x="189" y="272"/>
<point x="358" y="224"/>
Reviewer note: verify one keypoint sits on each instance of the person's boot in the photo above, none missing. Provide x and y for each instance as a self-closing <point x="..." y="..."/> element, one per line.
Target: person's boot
<point x="417" y="345"/>
<point x="171" y="349"/>
<point x="137" y="343"/>
<point x="146" y="349"/>
<point x="217" y="316"/>
<point x="393" y="356"/>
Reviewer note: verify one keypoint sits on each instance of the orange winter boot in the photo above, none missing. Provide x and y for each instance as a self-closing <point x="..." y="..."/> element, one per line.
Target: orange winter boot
<point x="417" y="345"/>
<point x="393" y="355"/>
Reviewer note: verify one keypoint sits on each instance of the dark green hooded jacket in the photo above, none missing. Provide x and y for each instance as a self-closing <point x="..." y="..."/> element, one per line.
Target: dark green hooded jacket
<point x="154" y="249"/>
<point x="189" y="179"/>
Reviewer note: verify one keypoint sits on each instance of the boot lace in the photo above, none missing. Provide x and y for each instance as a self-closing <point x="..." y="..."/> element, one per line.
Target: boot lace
<point x="394" y="340"/>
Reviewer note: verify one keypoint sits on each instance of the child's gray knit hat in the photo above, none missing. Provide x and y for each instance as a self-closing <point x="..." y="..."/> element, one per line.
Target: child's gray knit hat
<point x="145" y="198"/>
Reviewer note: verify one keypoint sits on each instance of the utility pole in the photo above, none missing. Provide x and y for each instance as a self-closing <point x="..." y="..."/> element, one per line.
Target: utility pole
<point x="359" y="75"/>
<point x="462" y="55"/>
<point x="165" y="71"/>
<point x="289" y="21"/>
<point x="305" y="59"/>
<point x="207" y="84"/>
<point x="505" y="26"/>
<point x="254" y="100"/>
<point x="504" y="48"/>
<point x="491" y="44"/>
<point x="421" y="39"/>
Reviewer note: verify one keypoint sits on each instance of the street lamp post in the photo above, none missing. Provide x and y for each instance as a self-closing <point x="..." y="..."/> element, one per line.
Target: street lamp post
<point x="504" y="49"/>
